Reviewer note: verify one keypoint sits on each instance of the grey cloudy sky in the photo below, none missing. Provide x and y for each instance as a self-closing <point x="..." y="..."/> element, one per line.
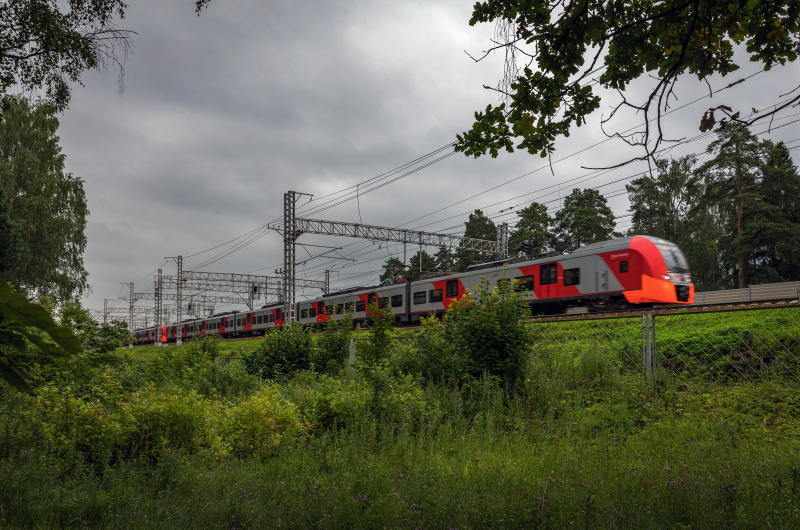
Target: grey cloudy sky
<point x="222" y="113"/>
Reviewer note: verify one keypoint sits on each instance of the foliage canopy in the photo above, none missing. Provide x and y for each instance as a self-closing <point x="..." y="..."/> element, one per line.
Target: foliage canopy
<point x="46" y="44"/>
<point x="571" y="48"/>
<point x="42" y="207"/>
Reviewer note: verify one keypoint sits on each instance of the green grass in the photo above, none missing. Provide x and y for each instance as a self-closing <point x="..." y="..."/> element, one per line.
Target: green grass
<point x="165" y="439"/>
<point x="703" y="457"/>
<point x="237" y="348"/>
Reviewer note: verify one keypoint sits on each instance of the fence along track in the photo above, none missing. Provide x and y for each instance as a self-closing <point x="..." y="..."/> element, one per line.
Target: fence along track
<point x="765" y="296"/>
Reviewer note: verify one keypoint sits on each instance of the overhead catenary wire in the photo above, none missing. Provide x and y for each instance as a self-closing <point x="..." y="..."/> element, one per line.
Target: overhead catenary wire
<point x="617" y="193"/>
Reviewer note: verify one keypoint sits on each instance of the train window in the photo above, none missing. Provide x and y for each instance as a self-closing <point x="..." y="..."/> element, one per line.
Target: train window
<point x="420" y="297"/>
<point x="397" y="300"/>
<point x="623" y="266"/>
<point x="548" y="274"/>
<point x="304" y="313"/>
<point x="523" y="283"/>
<point x="572" y="276"/>
<point x="435" y="295"/>
<point x="451" y="288"/>
<point x="372" y="298"/>
<point x="360" y="306"/>
<point x="320" y="307"/>
<point x="339" y="308"/>
<point x="312" y="312"/>
<point x="329" y="309"/>
<point x="383" y="302"/>
<point x="503" y="283"/>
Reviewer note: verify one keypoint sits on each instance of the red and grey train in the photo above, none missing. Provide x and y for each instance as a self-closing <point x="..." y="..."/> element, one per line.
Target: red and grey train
<point x="626" y="272"/>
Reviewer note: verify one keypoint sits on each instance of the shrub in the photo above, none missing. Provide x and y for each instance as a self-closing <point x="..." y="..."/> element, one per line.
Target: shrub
<point x="71" y="427"/>
<point x="487" y="328"/>
<point x="429" y="354"/>
<point x="380" y="338"/>
<point x="333" y="346"/>
<point x="331" y="402"/>
<point x="282" y="352"/>
<point x="232" y="379"/>
<point x="405" y="406"/>
<point x="152" y="421"/>
<point x="261" y="423"/>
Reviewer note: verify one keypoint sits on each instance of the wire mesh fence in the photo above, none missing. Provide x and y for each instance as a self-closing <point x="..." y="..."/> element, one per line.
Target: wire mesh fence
<point x="724" y="346"/>
<point x="719" y="346"/>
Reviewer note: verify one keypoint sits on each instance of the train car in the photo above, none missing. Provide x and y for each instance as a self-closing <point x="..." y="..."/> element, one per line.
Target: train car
<point x="635" y="270"/>
<point x="609" y="275"/>
<point x="355" y="302"/>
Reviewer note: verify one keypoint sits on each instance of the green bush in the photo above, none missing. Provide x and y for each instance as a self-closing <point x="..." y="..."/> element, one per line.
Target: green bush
<point x="331" y="402"/>
<point x="381" y="325"/>
<point x="231" y="379"/>
<point x="429" y="354"/>
<point x="488" y="329"/>
<point x="152" y="421"/>
<point x="332" y="346"/>
<point x="70" y="427"/>
<point x="283" y="352"/>
<point x="261" y="423"/>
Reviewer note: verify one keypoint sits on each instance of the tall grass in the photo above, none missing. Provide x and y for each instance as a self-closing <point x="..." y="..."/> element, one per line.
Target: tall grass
<point x="189" y="439"/>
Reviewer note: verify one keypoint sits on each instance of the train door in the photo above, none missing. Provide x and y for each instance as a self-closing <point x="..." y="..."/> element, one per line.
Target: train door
<point x="548" y="280"/>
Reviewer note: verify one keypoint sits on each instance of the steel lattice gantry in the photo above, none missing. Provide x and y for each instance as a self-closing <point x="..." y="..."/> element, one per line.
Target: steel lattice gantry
<point x="197" y="298"/>
<point x="294" y="227"/>
<point x="400" y="235"/>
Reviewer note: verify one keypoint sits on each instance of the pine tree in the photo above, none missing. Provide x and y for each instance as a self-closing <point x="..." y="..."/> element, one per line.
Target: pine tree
<point x="731" y="179"/>
<point x="477" y="226"/>
<point x="773" y="229"/>
<point x="534" y="227"/>
<point x="585" y="218"/>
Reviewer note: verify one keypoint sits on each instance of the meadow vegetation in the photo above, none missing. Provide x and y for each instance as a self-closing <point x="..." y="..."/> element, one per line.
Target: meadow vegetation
<point x="472" y="421"/>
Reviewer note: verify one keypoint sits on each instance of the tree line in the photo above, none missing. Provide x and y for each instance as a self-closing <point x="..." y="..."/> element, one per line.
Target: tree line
<point x="736" y="217"/>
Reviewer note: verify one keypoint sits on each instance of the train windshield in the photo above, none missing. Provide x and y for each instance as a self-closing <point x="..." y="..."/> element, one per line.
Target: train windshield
<point x="674" y="258"/>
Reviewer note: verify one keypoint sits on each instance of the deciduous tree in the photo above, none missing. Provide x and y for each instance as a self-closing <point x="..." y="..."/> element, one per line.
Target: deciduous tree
<point x="559" y="54"/>
<point x="44" y="207"/>
<point x="46" y="44"/>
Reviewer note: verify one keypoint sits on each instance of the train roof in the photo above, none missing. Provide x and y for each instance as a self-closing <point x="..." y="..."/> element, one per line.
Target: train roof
<point x="352" y="290"/>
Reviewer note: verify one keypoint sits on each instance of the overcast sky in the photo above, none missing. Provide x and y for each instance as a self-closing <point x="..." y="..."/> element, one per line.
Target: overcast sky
<point x="222" y="113"/>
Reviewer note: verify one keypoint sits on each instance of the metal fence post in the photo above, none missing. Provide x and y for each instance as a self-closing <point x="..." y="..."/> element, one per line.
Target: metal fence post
<point x="351" y="360"/>
<point x="648" y="345"/>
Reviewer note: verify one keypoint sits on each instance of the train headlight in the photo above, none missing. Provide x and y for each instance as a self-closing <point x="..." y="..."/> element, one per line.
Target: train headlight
<point x="677" y="277"/>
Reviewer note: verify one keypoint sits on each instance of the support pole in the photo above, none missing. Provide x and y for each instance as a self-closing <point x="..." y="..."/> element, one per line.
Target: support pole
<point x="289" y="240"/>
<point x="502" y="239"/>
<point x="130" y="318"/>
<point x="289" y="244"/>
<point x="327" y="282"/>
<point x="179" y="289"/>
<point x="158" y="308"/>
<point x="105" y="311"/>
